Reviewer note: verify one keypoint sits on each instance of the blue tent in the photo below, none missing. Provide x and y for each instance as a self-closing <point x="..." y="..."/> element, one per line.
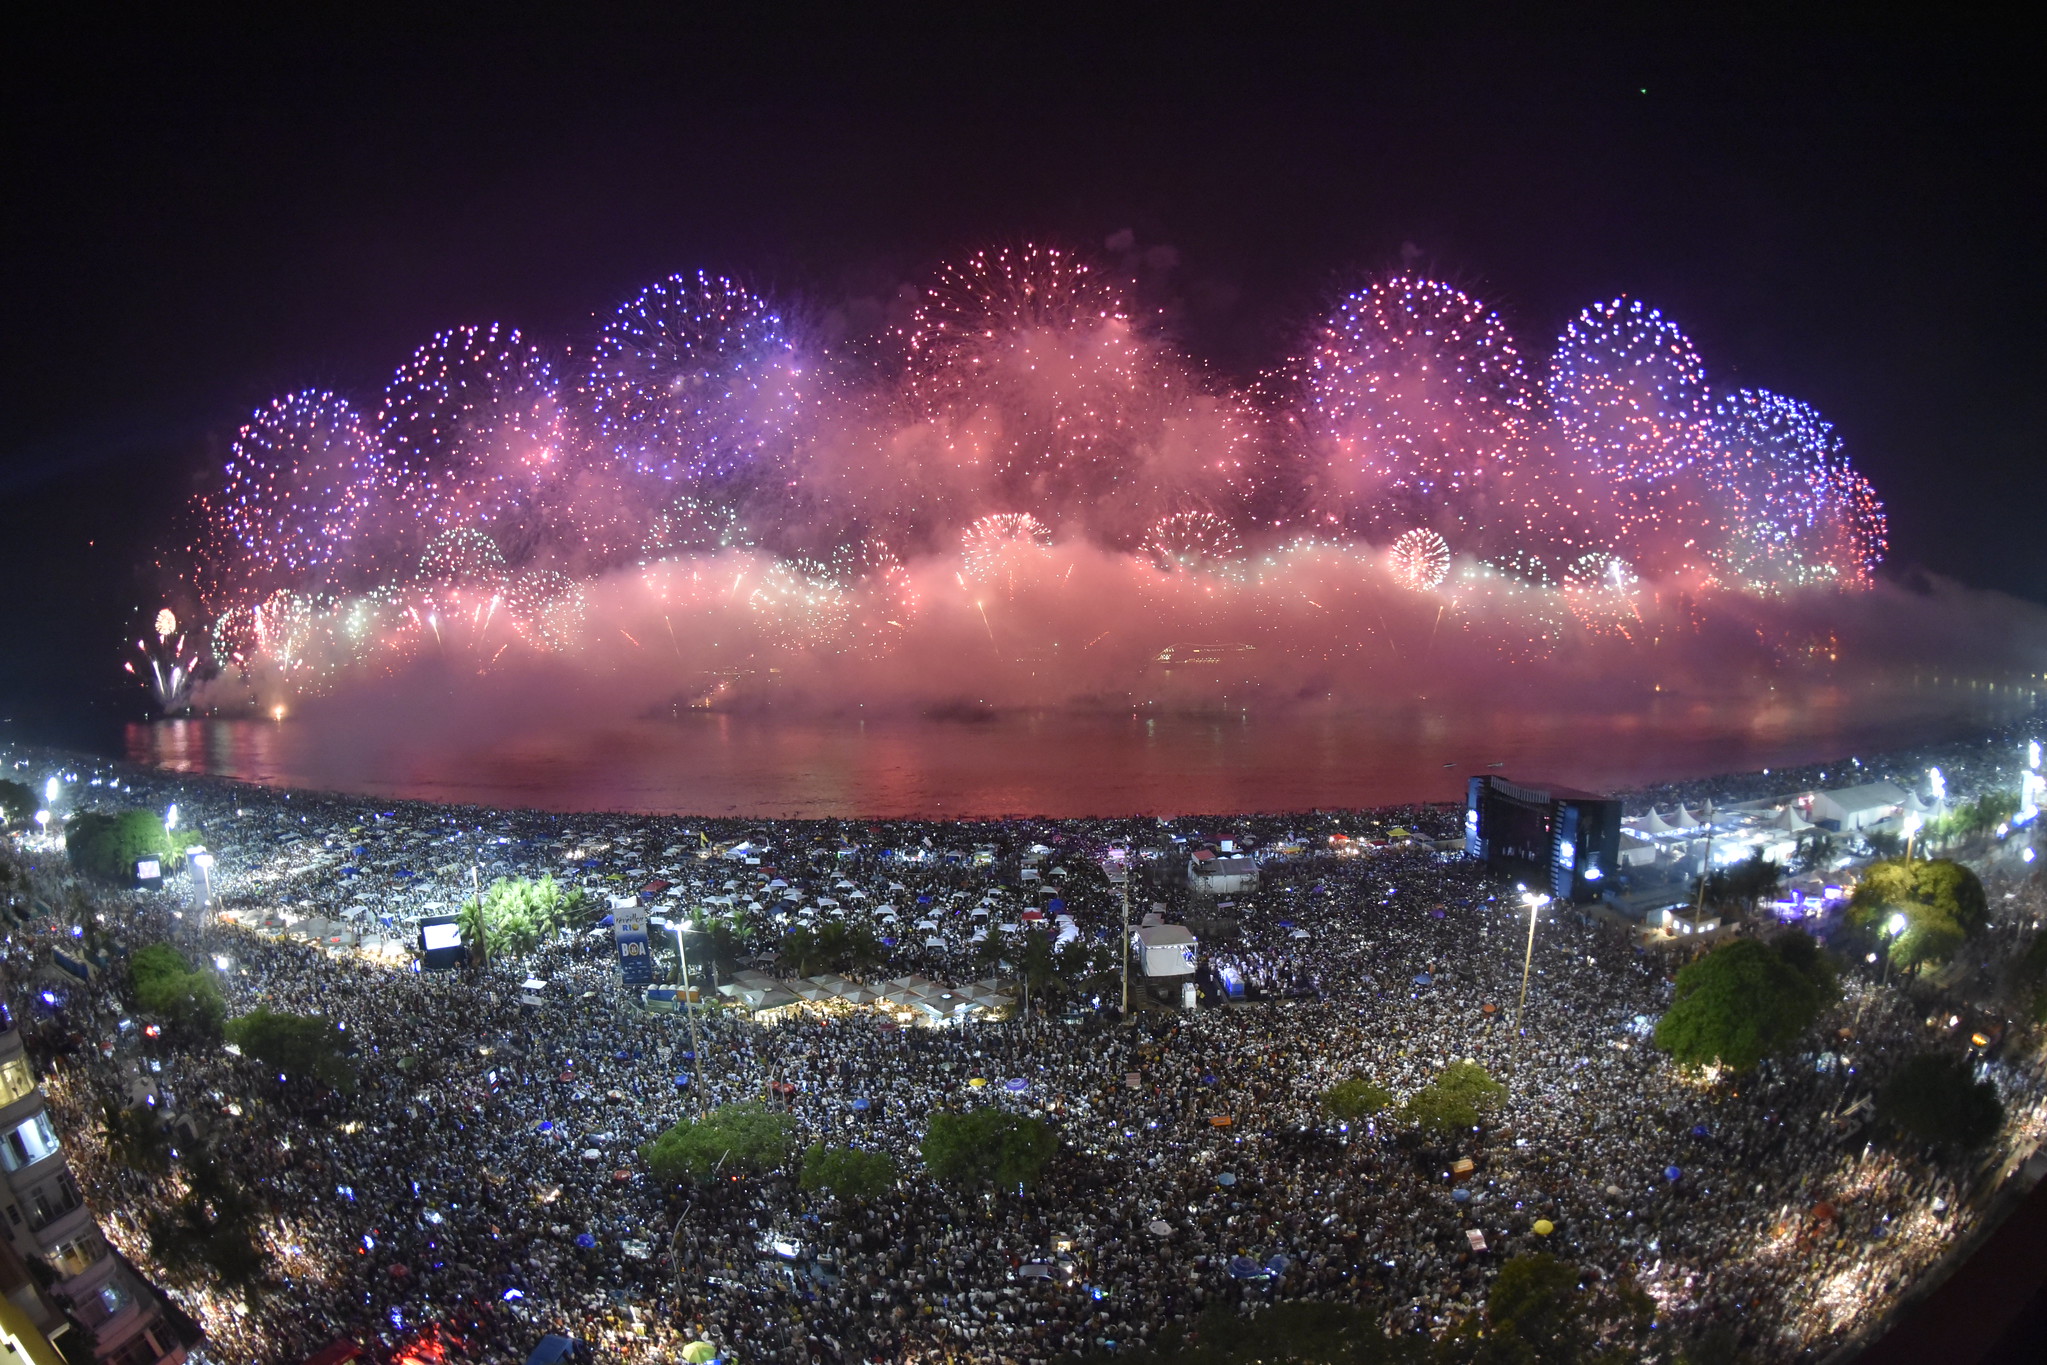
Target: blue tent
<point x="551" y="1349"/>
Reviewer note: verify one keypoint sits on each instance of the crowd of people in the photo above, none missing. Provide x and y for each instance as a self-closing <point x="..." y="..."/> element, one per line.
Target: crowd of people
<point x="484" y="1175"/>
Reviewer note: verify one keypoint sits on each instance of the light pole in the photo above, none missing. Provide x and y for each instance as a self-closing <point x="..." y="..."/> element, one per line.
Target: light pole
<point x="1534" y="902"/>
<point x="1706" y="867"/>
<point x="696" y="1053"/>
<point x="1913" y="824"/>
<point x="1125" y="879"/>
<point x="1893" y="928"/>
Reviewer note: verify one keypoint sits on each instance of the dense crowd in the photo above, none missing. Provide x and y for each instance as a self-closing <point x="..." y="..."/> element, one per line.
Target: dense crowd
<point x="485" y="1172"/>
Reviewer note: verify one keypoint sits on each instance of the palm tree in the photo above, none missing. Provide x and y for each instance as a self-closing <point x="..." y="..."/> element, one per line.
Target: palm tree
<point x="1741" y="887"/>
<point x="992" y="951"/>
<point x="864" y="951"/>
<point x="834" y="945"/>
<point x="798" y="950"/>
<point x="1035" y="964"/>
<point x="1085" y="968"/>
<point x="475" y="928"/>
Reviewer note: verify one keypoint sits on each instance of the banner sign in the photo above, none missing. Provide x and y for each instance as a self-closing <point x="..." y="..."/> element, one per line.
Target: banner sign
<point x="629" y="931"/>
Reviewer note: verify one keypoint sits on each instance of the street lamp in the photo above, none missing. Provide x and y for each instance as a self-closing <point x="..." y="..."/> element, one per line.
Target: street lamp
<point x="1913" y="824"/>
<point x="1534" y="902"/>
<point x="1895" y="926"/>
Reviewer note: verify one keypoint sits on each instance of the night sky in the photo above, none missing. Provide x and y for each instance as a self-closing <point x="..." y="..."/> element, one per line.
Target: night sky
<point x="202" y="217"/>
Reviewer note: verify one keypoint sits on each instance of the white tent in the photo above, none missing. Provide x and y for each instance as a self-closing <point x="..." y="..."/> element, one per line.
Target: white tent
<point x="1654" y="823"/>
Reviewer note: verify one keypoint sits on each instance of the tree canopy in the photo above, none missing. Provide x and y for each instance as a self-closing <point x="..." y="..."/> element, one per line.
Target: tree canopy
<point x="515" y="913"/>
<point x="747" y="1137"/>
<point x="1942" y="902"/>
<point x="1291" y="1332"/>
<point x="849" y="1172"/>
<point x="297" y="1045"/>
<point x="1737" y="1005"/>
<point x="1355" y="1098"/>
<point x="1938" y="1101"/>
<point x="109" y="846"/>
<point x="987" y="1147"/>
<point x="1542" y="1310"/>
<point x="167" y="985"/>
<point x="1802" y="951"/>
<point x="18" y="804"/>
<point x="1738" y="889"/>
<point x="1460" y="1095"/>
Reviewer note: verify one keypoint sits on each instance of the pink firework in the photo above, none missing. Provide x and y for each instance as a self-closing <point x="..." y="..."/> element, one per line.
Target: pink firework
<point x="1418" y="393"/>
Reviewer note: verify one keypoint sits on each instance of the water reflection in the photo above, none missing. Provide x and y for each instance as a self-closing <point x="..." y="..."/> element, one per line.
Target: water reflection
<point x="1062" y="764"/>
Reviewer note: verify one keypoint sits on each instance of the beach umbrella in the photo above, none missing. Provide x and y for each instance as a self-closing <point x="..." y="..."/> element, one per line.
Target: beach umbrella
<point x="1244" y="1268"/>
<point x="1226" y="1178"/>
<point x="1277" y="1263"/>
<point x="1671" y="1173"/>
<point x="1016" y="1085"/>
<point x="861" y="1106"/>
<point x="585" y="1240"/>
<point x="699" y="1353"/>
<point x="1543" y="1227"/>
<point x="1460" y="1196"/>
<point x="1159" y="1227"/>
<point x="977" y="1082"/>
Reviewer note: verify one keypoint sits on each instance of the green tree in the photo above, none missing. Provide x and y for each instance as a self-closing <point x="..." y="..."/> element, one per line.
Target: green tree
<point x="167" y="986"/>
<point x="1292" y="1332"/>
<point x="1540" y="1311"/>
<point x="863" y="950"/>
<point x="746" y="1137"/>
<point x="987" y="1147"/>
<point x="1455" y="1101"/>
<point x="1804" y="953"/>
<point x="136" y="1137"/>
<point x="1939" y="1102"/>
<point x="849" y="1172"/>
<point x="1036" y="964"/>
<point x="1814" y="851"/>
<point x="1736" y="1005"/>
<point x="475" y="928"/>
<point x="296" y="1045"/>
<point x="109" y="846"/>
<point x="213" y="1228"/>
<point x="1355" y="1098"/>
<point x="2028" y="979"/>
<point x="1737" y="890"/>
<point x="835" y="946"/>
<point x="799" y="951"/>
<point x="1084" y="967"/>
<point x="18" y="805"/>
<point x="1942" y="902"/>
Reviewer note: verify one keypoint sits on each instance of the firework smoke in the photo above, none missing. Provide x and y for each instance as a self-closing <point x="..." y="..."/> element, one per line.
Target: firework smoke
<point x="1025" y="493"/>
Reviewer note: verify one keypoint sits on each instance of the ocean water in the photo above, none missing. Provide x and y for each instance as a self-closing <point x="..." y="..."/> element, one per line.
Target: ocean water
<point x="1062" y="763"/>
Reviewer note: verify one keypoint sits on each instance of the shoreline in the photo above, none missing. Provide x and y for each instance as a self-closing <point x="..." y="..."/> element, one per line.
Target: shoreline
<point x="1735" y="783"/>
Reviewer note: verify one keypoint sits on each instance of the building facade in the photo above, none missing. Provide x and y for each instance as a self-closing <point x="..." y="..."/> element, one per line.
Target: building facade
<point x="49" y="1227"/>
